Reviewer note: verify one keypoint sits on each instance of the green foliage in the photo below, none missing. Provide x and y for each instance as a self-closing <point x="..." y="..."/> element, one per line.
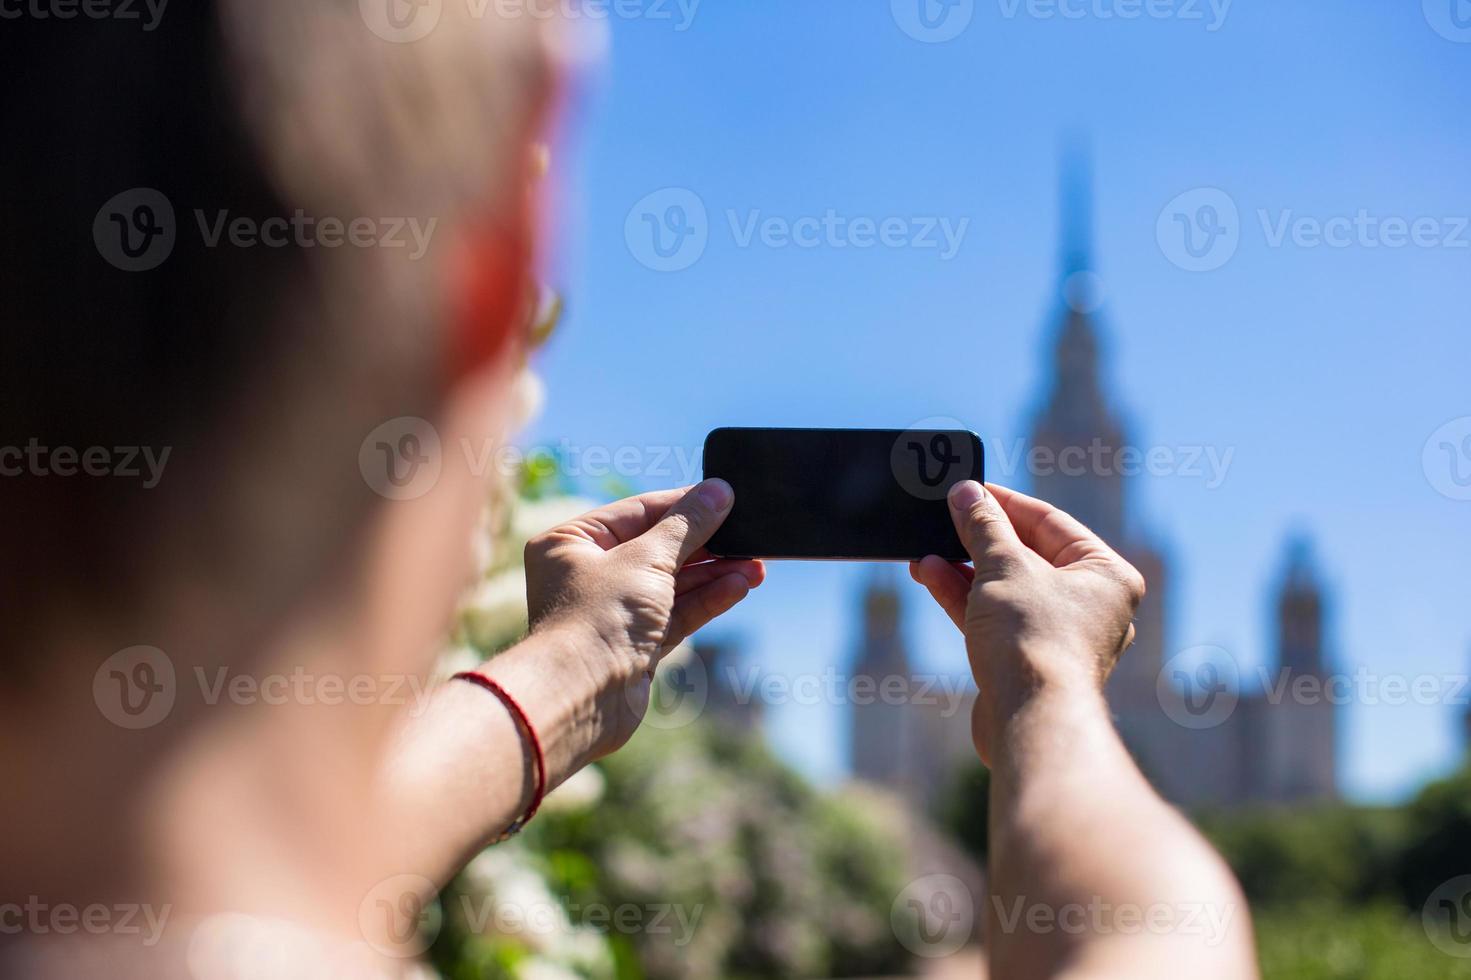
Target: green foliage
<point x="964" y="809"/>
<point x="1439" y="837"/>
<point x="773" y="878"/>
<point x="542" y="475"/>
<point x="1322" y="854"/>
<point x="1334" y="942"/>
<point x="1337" y="891"/>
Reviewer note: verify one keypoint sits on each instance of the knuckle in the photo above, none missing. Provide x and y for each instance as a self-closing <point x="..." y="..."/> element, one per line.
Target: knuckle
<point x="1132" y="581"/>
<point x="537" y="547"/>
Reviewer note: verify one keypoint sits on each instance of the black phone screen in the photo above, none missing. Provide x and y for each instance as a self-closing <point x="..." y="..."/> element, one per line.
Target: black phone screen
<point x="841" y="493"/>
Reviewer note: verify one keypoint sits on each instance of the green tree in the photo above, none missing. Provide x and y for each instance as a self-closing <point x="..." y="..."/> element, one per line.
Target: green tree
<point x="964" y="809"/>
<point x="1439" y="833"/>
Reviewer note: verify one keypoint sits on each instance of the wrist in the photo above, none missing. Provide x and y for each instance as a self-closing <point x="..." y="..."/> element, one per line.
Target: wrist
<point x="592" y="653"/>
<point x="1055" y="716"/>
<point x="558" y="684"/>
<point x="1054" y="687"/>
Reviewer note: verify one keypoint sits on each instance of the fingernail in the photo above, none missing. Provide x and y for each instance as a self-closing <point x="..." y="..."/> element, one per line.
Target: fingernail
<point x="965" y="494"/>
<point x="717" y="494"/>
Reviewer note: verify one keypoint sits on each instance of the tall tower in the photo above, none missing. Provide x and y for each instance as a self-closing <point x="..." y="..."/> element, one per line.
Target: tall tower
<point x="1076" y="430"/>
<point x="1295" y="756"/>
<point x="881" y="747"/>
<point x="1076" y="442"/>
<point x="910" y="734"/>
<point x="1300" y="613"/>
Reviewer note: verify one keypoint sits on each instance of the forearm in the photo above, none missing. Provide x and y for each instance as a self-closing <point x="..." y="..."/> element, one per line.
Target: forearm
<point x="1091" y="873"/>
<point x="464" y="770"/>
<point x="607" y="593"/>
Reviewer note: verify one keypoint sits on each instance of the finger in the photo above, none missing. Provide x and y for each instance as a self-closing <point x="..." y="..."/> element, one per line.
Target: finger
<point x="946" y="583"/>
<point x="689" y="522"/>
<point x="1052" y="533"/>
<point x="1118" y="654"/>
<point x="694" y="609"/>
<point x="983" y="526"/>
<point x="623" y="520"/>
<point x="691" y="577"/>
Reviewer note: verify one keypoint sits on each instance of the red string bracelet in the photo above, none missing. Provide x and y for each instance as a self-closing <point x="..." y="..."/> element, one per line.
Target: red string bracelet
<point x="525" y="724"/>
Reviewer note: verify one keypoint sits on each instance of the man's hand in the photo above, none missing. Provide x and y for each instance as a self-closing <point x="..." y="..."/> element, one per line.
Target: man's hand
<point x="629" y="581"/>
<point x="1046" y="613"/>
<point x="609" y="594"/>
<point x="1047" y="607"/>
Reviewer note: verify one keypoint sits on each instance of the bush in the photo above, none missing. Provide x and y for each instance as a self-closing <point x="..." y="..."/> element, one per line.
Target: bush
<point x="1439" y="838"/>
<point x="1329" y="854"/>
<point x="964" y="809"/>
<point x="704" y="856"/>
<point x="1328" y="942"/>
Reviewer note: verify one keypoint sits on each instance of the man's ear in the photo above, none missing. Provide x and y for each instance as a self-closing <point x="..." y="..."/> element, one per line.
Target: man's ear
<point x="489" y="291"/>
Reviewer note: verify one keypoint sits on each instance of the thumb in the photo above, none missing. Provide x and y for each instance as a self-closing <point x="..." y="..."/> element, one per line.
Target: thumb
<point x="691" y="521"/>
<point x="983" y="526"/>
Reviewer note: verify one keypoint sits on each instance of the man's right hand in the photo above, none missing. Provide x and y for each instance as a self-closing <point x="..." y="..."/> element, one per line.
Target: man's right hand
<point x="1046" y="610"/>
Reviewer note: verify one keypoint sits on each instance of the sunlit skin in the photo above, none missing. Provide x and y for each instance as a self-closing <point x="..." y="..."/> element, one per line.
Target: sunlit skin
<point x="1046" y="613"/>
<point x="609" y="593"/>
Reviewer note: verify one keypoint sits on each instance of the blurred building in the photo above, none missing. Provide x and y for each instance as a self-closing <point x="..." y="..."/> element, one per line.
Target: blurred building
<point x="910" y="731"/>
<point x="1281" y="745"/>
<point x="1205" y="733"/>
<point x="730" y="697"/>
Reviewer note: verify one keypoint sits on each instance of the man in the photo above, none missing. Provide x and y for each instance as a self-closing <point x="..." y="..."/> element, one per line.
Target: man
<point x="201" y="274"/>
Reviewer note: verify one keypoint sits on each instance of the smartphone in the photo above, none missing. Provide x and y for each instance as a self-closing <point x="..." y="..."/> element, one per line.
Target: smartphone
<point x="857" y="494"/>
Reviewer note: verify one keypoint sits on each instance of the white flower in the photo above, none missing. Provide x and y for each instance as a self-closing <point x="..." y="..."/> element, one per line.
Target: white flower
<point x="532" y="517"/>
<point x="494" y="613"/>
<point x="536" y="968"/>
<point x="521" y="905"/>
<point x="486" y="869"/>
<point x="454" y="661"/>
<point x="528" y="396"/>
<point x="582" y="789"/>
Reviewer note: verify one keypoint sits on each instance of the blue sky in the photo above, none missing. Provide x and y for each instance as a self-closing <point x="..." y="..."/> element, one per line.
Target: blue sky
<point x="1323" y="369"/>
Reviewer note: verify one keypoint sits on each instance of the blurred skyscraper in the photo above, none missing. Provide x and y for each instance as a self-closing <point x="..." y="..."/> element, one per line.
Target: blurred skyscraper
<point x="1205" y="733"/>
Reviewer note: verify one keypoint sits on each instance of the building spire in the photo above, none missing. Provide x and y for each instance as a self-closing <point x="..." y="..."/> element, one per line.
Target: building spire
<point x="1300" y="610"/>
<point x="1075" y="413"/>
<point x="1076" y="198"/>
<point x="1077" y="391"/>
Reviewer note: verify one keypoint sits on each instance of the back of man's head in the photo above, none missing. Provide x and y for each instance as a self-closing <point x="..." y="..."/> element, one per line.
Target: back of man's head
<point x="210" y="292"/>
